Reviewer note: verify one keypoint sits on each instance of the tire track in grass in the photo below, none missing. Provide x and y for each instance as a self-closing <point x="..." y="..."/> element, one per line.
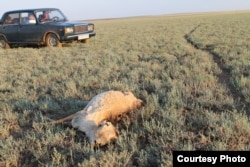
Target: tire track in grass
<point x="225" y="76"/>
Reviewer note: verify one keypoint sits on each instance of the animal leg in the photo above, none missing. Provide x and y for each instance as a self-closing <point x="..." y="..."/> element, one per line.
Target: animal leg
<point x="68" y="118"/>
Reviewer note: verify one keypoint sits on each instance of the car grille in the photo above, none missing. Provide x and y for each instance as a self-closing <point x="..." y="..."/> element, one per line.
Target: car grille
<point x="82" y="28"/>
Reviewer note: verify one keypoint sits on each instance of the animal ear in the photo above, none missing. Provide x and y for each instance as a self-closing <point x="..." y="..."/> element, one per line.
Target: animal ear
<point x="139" y="103"/>
<point x="142" y="103"/>
<point x="117" y="132"/>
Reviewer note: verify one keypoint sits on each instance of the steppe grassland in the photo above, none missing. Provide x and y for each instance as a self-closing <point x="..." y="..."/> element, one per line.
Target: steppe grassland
<point x="187" y="107"/>
<point x="230" y="41"/>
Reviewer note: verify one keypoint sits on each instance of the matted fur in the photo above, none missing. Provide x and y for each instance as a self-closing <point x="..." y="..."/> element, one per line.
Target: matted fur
<point x="105" y="106"/>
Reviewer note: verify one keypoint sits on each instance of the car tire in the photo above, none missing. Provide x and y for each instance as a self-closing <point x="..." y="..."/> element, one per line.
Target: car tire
<point x="3" y="43"/>
<point x="52" y="41"/>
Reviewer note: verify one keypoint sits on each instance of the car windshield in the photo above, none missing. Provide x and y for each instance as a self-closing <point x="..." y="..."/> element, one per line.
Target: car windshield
<point x="50" y="15"/>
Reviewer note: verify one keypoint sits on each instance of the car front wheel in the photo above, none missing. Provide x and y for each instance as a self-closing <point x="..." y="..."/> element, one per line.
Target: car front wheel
<point x="53" y="41"/>
<point x="3" y="43"/>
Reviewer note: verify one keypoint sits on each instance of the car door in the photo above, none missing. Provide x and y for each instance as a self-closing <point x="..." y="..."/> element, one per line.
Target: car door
<point x="10" y="27"/>
<point x="28" y="31"/>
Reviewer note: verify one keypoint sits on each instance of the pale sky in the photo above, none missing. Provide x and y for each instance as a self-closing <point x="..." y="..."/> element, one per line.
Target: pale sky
<point x="97" y="9"/>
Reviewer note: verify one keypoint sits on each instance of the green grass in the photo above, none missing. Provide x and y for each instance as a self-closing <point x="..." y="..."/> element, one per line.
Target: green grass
<point x="192" y="72"/>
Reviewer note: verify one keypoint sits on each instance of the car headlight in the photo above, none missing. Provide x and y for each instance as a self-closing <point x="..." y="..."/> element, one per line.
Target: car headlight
<point x="68" y="30"/>
<point x="91" y="27"/>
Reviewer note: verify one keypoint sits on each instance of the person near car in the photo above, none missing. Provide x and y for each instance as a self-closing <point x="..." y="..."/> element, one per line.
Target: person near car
<point x="31" y="19"/>
<point x="45" y="16"/>
<point x="8" y="20"/>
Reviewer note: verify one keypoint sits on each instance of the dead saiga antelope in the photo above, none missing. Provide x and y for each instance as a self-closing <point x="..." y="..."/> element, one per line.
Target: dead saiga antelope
<point x="92" y="120"/>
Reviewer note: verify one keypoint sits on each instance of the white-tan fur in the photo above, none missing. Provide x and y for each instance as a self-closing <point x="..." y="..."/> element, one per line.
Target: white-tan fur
<point x="105" y="106"/>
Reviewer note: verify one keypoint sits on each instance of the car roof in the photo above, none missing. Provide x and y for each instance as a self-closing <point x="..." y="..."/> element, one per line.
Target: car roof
<point x="30" y="10"/>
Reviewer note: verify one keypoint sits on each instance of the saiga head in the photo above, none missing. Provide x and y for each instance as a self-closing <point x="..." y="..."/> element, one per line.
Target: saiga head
<point x="105" y="133"/>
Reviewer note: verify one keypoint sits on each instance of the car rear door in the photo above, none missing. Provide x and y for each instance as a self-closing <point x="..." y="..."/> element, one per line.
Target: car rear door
<point x="10" y="27"/>
<point x="28" y="31"/>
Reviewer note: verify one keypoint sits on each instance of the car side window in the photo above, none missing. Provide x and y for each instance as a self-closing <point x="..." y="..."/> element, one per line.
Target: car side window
<point x="8" y="20"/>
<point x="28" y="18"/>
<point x="49" y="15"/>
<point x="43" y="16"/>
<point x="12" y="18"/>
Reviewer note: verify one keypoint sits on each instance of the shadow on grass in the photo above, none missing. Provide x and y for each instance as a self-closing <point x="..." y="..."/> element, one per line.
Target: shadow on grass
<point x="40" y="46"/>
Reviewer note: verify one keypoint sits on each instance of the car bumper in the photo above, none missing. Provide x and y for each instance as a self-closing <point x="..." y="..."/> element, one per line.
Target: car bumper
<point x="78" y="37"/>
